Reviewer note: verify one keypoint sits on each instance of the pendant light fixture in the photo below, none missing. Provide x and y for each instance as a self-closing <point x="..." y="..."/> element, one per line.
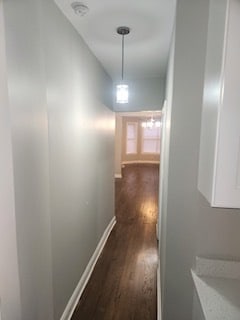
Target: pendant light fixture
<point x="151" y="123"/>
<point x="122" y="88"/>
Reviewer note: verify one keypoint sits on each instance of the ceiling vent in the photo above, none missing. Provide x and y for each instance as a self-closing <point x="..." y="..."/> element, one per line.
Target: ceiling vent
<point x="80" y="8"/>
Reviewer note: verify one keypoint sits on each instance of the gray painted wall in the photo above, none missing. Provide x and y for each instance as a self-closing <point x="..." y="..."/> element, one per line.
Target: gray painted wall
<point x="63" y="153"/>
<point x="182" y="194"/>
<point x="118" y="146"/>
<point x="29" y="128"/>
<point x="10" y="306"/>
<point x="192" y="227"/>
<point x="81" y="138"/>
<point x="144" y="94"/>
<point x="217" y="231"/>
<point x="164" y="164"/>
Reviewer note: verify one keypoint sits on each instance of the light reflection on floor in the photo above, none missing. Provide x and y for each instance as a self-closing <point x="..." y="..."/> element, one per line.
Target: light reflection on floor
<point x="148" y="209"/>
<point x="148" y="256"/>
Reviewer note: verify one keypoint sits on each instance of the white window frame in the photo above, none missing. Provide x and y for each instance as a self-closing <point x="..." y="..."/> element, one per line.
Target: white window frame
<point x="136" y="132"/>
<point x="158" y="139"/>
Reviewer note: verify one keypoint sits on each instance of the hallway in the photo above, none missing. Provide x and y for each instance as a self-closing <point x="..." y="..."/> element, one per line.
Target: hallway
<point x="123" y="283"/>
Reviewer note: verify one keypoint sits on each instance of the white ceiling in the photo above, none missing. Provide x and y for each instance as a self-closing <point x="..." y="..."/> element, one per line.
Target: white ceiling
<point x="147" y="45"/>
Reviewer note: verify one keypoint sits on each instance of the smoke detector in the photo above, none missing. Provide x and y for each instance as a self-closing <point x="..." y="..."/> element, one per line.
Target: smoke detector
<point x="80" y="8"/>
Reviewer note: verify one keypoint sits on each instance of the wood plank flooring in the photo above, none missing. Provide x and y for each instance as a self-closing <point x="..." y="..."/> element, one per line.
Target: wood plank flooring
<point x="123" y="283"/>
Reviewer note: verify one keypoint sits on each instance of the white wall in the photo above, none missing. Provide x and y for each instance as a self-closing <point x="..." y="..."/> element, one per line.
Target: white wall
<point x="164" y="161"/>
<point x="218" y="231"/>
<point x="192" y="227"/>
<point x="144" y="94"/>
<point x="63" y="153"/>
<point x="10" y="307"/>
<point x="29" y="128"/>
<point x="118" y="147"/>
<point x="185" y="96"/>
<point x="81" y="137"/>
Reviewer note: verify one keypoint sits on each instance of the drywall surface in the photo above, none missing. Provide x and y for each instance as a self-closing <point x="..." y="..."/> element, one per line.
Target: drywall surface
<point x="10" y="307"/>
<point x="63" y="153"/>
<point x="218" y="231"/>
<point x="27" y="98"/>
<point x="182" y="207"/>
<point x="164" y="161"/>
<point x="118" y="146"/>
<point x="144" y="94"/>
<point x="81" y="140"/>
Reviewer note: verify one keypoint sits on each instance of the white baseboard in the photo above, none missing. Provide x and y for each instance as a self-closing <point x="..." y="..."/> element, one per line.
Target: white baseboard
<point x="72" y="303"/>
<point x="159" y="309"/>
<point x="118" y="176"/>
<point x="141" y="161"/>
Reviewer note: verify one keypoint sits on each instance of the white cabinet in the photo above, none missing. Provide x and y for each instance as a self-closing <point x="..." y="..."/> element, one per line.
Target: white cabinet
<point x="219" y="158"/>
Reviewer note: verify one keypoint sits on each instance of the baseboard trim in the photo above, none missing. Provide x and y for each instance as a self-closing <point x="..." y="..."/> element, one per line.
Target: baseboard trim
<point x="159" y="310"/>
<point x="141" y="161"/>
<point x="118" y="176"/>
<point x="72" y="303"/>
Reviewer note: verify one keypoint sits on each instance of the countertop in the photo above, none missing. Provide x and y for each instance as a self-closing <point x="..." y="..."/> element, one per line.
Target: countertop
<point x="219" y="297"/>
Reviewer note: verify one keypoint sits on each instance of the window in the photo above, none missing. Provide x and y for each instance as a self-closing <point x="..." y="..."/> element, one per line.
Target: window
<point x="150" y="140"/>
<point x="131" y="138"/>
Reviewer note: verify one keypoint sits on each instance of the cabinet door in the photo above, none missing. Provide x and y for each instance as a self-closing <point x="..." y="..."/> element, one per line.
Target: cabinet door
<point x="219" y="160"/>
<point x="211" y="96"/>
<point x="227" y="173"/>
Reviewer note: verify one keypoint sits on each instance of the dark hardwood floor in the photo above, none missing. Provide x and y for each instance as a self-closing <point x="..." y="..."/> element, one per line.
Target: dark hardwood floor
<point x="123" y="283"/>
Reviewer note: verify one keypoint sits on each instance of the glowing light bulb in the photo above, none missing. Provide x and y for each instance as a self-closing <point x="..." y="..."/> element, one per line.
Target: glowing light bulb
<point x="122" y="93"/>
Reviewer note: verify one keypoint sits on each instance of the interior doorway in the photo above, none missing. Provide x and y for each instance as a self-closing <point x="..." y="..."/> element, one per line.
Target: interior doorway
<point x="138" y="146"/>
<point x="137" y="139"/>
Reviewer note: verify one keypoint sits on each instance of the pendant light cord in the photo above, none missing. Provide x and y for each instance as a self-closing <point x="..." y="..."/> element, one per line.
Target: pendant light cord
<point x="123" y="31"/>
<point x="122" y="55"/>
